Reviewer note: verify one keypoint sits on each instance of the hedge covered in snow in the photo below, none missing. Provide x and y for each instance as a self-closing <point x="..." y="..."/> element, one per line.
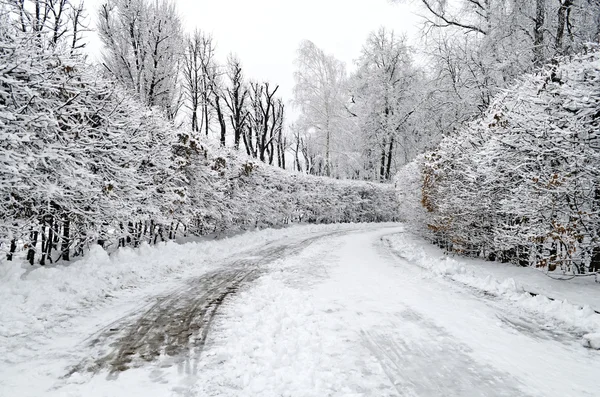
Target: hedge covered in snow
<point x="522" y="183"/>
<point x="81" y="161"/>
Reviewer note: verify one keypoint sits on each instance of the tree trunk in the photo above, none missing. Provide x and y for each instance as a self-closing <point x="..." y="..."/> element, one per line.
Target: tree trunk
<point x="595" y="260"/>
<point x="296" y="158"/>
<point x="43" y="257"/>
<point x="563" y="21"/>
<point x="13" y="248"/>
<point x="382" y="160"/>
<point x="221" y="118"/>
<point x="327" y="152"/>
<point x="194" y="119"/>
<point x="538" y="32"/>
<point x="51" y="239"/>
<point x="248" y="142"/>
<point x="205" y="110"/>
<point x="389" y="159"/>
<point x="65" y="238"/>
<point x="31" y="251"/>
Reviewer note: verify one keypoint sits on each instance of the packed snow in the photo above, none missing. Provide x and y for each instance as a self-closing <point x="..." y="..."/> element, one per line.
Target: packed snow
<point x="350" y="310"/>
<point x="574" y="303"/>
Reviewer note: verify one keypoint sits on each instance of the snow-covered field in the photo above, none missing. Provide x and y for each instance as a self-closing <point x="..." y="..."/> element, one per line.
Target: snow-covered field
<point x="352" y="310"/>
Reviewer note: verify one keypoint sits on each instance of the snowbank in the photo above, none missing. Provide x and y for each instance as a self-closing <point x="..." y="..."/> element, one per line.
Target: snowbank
<point x="527" y="288"/>
<point x="592" y="341"/>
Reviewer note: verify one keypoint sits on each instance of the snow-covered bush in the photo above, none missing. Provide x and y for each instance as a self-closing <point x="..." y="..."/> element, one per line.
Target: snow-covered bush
<point x="522" y="183"/>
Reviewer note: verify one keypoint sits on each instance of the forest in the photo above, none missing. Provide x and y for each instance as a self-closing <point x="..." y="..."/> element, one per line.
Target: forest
<point x="483" y="135"/>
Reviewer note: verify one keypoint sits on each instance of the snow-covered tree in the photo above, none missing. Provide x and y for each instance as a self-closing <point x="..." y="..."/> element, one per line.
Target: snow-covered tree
<point x="320" y="94"/>
<point x="142" y="49"/>
<point x="56" y="23"/>
<point x="386" y="99"/>
<point x="198" y="70"/>
<point x="236" y="96"/>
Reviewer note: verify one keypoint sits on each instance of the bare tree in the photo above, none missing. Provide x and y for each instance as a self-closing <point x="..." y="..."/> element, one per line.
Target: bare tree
<point x="198" y="70"/>
<point x="265" y="122"/>
<point x="192" y="72"/>
<point x="216" y="93"/>
<point x="51" y="20"/>
<point x="563" y="22"/>
<point x="538" y="32"/>
<point x="235" y="98"/>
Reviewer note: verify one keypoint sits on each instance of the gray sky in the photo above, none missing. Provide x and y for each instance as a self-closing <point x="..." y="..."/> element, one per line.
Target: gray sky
<point x="265" y="34"/>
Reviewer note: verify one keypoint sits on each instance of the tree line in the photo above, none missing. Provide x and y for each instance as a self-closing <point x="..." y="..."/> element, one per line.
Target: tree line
<point x="88" y="157"/>
<point x="147" y="51"/>
<point x="401" y="100"/>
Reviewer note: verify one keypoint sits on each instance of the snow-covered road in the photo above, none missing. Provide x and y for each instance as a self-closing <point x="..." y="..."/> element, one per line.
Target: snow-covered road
<point x="324" y="314"/>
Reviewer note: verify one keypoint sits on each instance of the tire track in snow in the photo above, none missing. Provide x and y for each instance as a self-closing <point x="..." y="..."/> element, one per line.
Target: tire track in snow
<point x="178" y="323"/>
<point x="420" y="359"/>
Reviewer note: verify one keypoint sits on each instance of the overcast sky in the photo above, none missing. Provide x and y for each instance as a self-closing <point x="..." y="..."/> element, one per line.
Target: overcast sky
<point x="266" y="33"/>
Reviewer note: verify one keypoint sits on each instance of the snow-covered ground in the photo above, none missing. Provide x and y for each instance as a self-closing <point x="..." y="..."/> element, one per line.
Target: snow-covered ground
<point x="575" y="303"/>
<point x="354" y="310"/>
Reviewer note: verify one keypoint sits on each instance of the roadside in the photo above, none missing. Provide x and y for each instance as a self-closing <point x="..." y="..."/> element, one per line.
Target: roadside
<point x="573" y="305"/>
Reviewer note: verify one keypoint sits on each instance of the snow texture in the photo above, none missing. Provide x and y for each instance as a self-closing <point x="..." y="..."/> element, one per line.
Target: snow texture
<point x="343" y="315"/>
<point x="572" y="303"/>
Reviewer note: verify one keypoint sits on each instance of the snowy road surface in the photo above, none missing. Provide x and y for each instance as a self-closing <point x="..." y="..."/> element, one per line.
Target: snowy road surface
<point x="324" y="314"/>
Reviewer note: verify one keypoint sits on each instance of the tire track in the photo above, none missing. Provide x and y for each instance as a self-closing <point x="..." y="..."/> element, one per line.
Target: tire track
<point x="178" y="323"/>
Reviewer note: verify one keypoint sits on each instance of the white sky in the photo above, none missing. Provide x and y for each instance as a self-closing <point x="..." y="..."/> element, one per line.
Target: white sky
<point x="265" y="34"/>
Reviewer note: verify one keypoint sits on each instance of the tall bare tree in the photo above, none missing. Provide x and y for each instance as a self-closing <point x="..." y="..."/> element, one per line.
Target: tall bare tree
<point x="235" y="98"/>
<point x="265" y="122"/>
<point x="58" y="22"/>
<point x="198" y="68"/>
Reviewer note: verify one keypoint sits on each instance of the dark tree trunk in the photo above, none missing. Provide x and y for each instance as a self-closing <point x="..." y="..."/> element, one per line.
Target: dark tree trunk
<point x="388" y="168"/>
<point x="523" y="256"/>
<point x="538" y="32"/>
<point x="563" y="22"/>
<point x="52" y="239"/>
<point x="248" y="142"/>
<point x="206" y="123"/>
<point x="122" y="239"/>
<point x="13" y="248"/>
<point x="221" y="118"/>
<point x="31" y="251"/>
<point x="595" y="262"/>
<point x="44" y="242"/>
<point x="65" y="238"/>
<point x="195" y="119"/>
<point x="382" y="161"/>
<point x="130" y="232"/>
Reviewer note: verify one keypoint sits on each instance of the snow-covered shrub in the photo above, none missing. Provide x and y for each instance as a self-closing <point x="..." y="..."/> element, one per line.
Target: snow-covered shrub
<point x="77" y="153"/>
<point x="521" y="183"/>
